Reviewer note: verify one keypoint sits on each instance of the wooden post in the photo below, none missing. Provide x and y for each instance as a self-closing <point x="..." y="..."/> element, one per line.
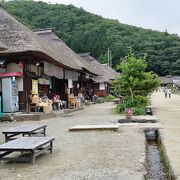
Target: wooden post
<point x="33" y="158"/>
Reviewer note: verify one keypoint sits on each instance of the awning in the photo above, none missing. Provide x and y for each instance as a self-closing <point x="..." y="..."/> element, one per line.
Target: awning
<point x="11" y="74"/>
<point x="71" y="75"/>
<point x="53" y="70"/>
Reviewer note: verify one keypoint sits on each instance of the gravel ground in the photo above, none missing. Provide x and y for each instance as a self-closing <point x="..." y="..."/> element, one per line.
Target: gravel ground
<point x="84" y="154"/>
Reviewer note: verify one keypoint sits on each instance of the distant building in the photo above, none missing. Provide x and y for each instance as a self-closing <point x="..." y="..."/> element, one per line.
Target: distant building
<point x="169" y="80"/>
<point x="101" y="83"/>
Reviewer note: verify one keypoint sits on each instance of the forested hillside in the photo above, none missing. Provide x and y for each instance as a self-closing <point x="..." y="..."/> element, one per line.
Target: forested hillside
<point x="86" y="32"/>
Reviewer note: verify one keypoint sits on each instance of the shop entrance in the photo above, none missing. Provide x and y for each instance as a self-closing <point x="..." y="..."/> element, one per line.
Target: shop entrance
<point x="59" y="88"/>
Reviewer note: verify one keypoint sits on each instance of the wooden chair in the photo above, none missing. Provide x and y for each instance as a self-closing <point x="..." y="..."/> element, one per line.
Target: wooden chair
<point x="71" y="103"/>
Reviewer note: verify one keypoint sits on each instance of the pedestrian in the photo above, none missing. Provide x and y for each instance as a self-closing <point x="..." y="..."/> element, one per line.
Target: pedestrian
<point x="165" y="93"/>
<point x="90" y="94"/>
<point x="169" y="93"/>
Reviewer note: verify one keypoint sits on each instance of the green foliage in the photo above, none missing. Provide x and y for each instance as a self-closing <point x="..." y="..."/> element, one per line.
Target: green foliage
<point x="140" y="101"/>
<point x="86" y="32"/>
<point x="109" y="98"/>
<point x="134" y="80"/>
<point x="134" y="84"/>
<point x="138" y="111"/>
<point x="120" y="108"/>
<point x="137" y="106"/>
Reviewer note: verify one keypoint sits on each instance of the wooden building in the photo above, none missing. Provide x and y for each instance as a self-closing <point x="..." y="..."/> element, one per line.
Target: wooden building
<point x="101" y="83"/>
<point x="37" y="62"/>
<point x="73" y="79"/>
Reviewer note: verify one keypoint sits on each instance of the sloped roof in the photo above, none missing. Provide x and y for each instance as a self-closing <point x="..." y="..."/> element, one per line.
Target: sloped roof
<point x="105" y="73"/>
<point x="68" y="56"/>
<point x="2" y="46"/>
<point x="169" y="79"/>
<point x="175" y="78"/>
<point x="20" y="39"/>
<point x="166" y="80"/>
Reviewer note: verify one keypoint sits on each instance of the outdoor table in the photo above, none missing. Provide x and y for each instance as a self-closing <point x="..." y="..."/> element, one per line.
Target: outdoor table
<point x="24" y="130"/>
<point x="33" y="146"/>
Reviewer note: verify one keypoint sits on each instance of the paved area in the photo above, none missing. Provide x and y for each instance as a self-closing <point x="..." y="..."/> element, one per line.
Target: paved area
<point x="168" y="112"/>
<point x="84" y="155"/>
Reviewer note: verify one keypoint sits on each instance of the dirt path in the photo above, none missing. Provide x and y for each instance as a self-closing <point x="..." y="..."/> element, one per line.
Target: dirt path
<point x="84" y="155"/>
<point x="168" y="111"/>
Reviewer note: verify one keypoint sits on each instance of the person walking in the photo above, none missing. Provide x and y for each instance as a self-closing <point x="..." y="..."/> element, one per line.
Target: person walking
<point x="169" y="93"/>
<point x="165" y="92"/>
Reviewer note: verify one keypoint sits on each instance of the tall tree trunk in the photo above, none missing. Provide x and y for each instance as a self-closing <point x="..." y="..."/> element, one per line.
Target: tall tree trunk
<point x="132" y="94"/>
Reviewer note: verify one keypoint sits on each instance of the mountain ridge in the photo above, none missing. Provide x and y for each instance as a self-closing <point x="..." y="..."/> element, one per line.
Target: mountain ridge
<point x="87" y="32"/>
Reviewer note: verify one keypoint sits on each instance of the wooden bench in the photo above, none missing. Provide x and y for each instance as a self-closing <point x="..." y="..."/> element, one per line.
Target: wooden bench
<point x="34" y="146"/>
<point x="24" y="130"/>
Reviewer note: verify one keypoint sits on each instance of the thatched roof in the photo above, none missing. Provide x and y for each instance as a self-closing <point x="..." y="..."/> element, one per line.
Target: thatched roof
<point x="68" y="56"/>
<point x="2" y="46"/>
<point x="177" y="78"/>
<point x="166" y="80"/>
<point x="21" y="40"/>
<point x="112" y="73"/>
<point x="105" y="73"/>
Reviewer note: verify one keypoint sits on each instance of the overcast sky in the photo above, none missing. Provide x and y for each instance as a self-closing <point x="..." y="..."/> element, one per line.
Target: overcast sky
<point x="151" y="14"/>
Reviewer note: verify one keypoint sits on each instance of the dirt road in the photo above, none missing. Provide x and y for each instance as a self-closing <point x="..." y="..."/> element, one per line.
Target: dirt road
<point x="84" y="155"/>
<point x="168" y="112"/>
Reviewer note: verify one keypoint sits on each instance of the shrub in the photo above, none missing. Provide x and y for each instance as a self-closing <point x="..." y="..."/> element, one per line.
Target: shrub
<point x="120" y="108"/>
<point x="100" y="100"/>
<point x="109" y="98"/>
<point x="138" y="111"/>
<point x="137" y="106"/>
<point x="141" y="101"/>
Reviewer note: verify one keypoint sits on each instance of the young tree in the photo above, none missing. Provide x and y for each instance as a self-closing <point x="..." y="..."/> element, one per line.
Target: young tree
<point x="134" y="80"/>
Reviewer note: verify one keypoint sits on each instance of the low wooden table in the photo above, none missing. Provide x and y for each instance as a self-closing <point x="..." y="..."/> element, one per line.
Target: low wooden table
<point x="24" y="130"/>
<point x="33" y="145"/>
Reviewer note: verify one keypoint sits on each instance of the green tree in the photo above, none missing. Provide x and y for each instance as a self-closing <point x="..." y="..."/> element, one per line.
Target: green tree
<point x="86" y="32"/>
<point x="134" y="80"/>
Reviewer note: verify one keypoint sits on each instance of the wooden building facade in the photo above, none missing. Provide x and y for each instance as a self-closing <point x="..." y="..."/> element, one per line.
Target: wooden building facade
<point x="101" y="83"/>
<point x="37" y="61"/>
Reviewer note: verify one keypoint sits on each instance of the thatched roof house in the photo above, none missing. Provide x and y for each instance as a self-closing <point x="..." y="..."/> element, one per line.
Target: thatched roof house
<point x="165" y="80"/>
<point x="22" y="41"/>
<point x="106" y="74"/>
<point x="2" y="46"/>
<point x="68" y="56"/>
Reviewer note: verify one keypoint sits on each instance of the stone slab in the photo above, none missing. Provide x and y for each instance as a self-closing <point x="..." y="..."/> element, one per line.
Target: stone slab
<point x="32" y="117"/>
<point x="150" y="125"/>
<point x="129" y="124"/>
<point x="113" y="127"/>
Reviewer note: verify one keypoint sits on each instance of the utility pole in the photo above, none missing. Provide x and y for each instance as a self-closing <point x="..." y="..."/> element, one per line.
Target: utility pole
<point x="108" y="57"/>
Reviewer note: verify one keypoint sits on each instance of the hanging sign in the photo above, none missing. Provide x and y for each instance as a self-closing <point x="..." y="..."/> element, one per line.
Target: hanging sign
<point x="34" y="86"/>
<point x="70" y="83"/>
